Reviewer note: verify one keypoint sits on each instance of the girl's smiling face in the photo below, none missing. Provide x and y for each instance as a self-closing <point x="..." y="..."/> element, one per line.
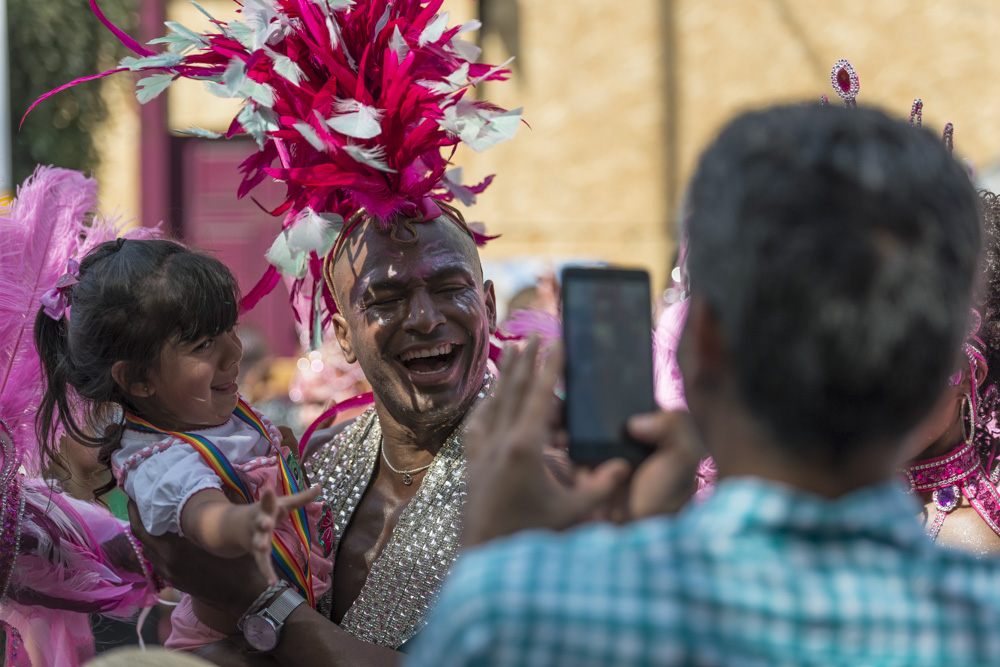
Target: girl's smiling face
<point x="194" y="385"/>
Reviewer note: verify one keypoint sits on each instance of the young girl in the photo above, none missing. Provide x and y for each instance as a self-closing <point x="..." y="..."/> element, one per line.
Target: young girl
<point x="146" y="351"/>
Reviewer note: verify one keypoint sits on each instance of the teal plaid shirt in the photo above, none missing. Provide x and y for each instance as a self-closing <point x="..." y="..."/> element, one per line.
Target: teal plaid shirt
<point x="759" y="574"/>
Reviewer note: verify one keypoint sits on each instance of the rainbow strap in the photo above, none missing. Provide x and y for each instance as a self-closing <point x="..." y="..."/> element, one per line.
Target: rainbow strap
<point x="220" y="465"/>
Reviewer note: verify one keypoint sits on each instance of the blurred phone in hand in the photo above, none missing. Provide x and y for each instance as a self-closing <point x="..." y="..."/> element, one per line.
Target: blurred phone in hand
<point x="607" y="331"/>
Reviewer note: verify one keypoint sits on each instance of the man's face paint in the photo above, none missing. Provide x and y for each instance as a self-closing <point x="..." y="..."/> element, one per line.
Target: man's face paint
<point x="417" y="318"/>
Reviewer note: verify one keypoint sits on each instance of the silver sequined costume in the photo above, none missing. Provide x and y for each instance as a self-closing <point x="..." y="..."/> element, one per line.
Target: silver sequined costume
<point x="405" y="579"/>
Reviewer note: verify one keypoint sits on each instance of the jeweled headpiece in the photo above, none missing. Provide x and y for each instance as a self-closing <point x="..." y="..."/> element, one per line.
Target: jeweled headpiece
<point x="356" y="105"/>
<point x="847" y="85"/>
<point x="845" y="82"/>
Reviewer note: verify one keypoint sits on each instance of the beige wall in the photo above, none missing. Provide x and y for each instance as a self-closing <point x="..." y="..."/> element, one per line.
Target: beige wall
<point x="118" y="141"/>
<point x="738" y="55"/>
<point x="587" y="179"/>
<point x="620" y="103"/>
<point x="189" y="104"/>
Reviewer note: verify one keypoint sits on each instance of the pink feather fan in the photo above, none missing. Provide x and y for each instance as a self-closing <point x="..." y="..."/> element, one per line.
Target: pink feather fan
<point x="39" y="232"/>
<point x="45" y="226"/>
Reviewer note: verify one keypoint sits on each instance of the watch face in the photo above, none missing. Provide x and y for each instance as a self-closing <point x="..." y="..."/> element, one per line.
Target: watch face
<point x="260" y="633"/>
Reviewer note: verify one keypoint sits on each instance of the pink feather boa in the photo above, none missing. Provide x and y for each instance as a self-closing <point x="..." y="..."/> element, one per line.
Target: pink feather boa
<point x="39" y="232"/>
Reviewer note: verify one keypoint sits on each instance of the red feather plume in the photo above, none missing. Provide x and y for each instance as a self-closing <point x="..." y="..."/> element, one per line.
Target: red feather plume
<point x="353" y="105"/>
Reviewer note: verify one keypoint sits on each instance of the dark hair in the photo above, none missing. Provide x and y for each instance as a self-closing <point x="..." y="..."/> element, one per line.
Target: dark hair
<point x="132" y="299"/>
<point x="989" y="300"/>
<point x="838" y="249"/>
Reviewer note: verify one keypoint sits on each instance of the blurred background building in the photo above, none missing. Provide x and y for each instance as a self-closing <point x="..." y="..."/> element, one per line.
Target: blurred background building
<point x="620" y="99"/>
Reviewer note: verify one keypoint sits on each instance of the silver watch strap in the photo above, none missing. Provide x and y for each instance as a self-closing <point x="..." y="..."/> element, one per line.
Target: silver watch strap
<point x="284" y="605"/>
<point x="260" y="601"/>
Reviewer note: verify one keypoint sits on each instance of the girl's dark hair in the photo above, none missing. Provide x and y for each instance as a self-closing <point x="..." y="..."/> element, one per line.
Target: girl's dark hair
<point x="990" y="296"/>
<point x="133" y="298"/>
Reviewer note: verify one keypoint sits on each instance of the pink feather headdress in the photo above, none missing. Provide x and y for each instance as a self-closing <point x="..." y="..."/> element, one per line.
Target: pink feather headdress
<point x="356" y="105"/>
<point x="46" y="225"/>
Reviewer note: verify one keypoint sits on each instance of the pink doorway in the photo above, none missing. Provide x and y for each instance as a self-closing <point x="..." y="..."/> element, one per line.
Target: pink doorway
<point x="208" y="215"/>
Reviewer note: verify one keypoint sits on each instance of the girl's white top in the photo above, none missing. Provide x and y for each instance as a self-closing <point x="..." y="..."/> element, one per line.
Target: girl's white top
<point x="161" y="473"/>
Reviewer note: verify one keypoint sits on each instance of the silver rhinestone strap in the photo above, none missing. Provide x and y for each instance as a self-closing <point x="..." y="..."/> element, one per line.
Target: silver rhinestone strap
<point x="259" y="602"/>
<point x="286" y="603"/>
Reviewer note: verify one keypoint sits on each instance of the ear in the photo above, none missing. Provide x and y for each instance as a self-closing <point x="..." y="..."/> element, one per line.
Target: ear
<point x="343" y="337"/>
<point x="970" y="383"/>
<point x="702" y="351"/>
<point x="964" y="385"/>
<point x="490" y="298"/>
<point x="119" y="371"/>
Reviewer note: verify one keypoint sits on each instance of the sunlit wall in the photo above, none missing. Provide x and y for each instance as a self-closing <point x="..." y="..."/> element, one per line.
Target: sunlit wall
<point x="621" y="97"/>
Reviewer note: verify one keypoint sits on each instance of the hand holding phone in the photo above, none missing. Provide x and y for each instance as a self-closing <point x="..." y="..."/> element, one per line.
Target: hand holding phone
<point x="607" y="330"/>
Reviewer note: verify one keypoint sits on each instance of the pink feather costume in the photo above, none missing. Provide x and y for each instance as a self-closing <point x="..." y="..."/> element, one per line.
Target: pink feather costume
<point x="61" y="559"/>
<point x="670" y="383"/>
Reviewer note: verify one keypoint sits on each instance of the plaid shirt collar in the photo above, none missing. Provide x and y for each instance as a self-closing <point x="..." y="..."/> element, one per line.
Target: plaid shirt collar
<point x="742" y="505"/>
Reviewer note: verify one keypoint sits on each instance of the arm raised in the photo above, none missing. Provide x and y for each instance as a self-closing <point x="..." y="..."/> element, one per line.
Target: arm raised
<point x="231" y="585"/>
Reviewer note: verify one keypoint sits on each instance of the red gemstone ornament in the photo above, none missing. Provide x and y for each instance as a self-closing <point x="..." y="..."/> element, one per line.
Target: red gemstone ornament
<point x="845" y="81"/>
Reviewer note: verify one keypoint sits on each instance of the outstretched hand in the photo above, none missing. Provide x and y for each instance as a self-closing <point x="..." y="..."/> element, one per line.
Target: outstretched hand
<point x="269" y="510"/>
<point x="228" y="584"/>
<point x="509" y="488"/>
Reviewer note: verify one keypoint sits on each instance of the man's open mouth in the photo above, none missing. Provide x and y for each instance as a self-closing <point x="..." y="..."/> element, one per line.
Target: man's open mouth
<point x="430" y="360"/>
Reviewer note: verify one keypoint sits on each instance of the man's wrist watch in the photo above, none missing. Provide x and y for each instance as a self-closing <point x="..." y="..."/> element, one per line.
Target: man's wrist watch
<point x="263" y="629"/>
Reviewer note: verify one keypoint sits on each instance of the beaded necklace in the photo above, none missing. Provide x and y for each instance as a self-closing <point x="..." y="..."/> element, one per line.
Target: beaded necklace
<point x="957" y="474"/>
<point x="962" y="472"/>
